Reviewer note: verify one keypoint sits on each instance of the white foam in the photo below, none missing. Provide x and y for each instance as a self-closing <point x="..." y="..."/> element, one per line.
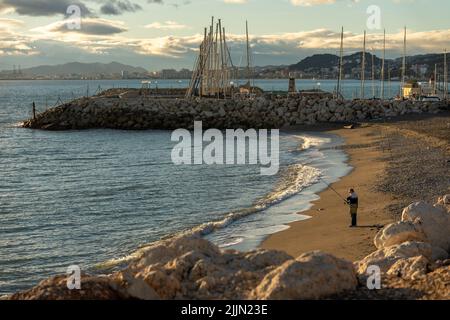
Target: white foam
<point x="293" y="179"/>
<point x="311" y="142"/>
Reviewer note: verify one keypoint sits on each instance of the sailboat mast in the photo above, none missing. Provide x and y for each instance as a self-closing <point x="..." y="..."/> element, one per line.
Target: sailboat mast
<point x="373" y="74"/>
<point x="383" y="64"/>
<point x="341" y="62"/>
<point x="445" y="75"/>
<point x="404" y="64"/>
<point x="389" y="80"/>
<point x="363" y="68"/>
<point x="248" y="54"/>
<point x="435" y="80"/>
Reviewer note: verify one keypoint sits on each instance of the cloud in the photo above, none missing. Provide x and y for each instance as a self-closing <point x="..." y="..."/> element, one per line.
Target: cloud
<point x="10" y="23"/>
<point x="167" y="25"/>
<point x="42" y="7"/>
<point x="118" y="7"/>
<point x="310" y="3"/>
<point x="93" y="27"/>
<point x="100" y="37"/>
<point x="236" y="1"/>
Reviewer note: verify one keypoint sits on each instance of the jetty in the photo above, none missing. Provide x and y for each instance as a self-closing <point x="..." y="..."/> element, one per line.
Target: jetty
<point x="214" y="98"/>
<point x="135" y="109"/>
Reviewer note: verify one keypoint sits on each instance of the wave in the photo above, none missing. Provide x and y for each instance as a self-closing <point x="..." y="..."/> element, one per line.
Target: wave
<point x="293" y="179"/>
<point x="309" y="142"/>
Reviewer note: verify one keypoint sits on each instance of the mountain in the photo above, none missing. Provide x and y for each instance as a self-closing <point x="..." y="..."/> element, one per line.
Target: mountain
<point x="85" y="69"/>
<point x="318" y="62"/>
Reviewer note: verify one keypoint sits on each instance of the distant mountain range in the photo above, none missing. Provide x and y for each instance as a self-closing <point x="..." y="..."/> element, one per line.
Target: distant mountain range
<point x="86" y="69"/>
<point x="318" y="65"/>
<point x="417" y="65"/>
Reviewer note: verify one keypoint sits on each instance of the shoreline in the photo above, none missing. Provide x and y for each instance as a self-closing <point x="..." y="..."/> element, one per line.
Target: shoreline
<point x="328" y="228"/>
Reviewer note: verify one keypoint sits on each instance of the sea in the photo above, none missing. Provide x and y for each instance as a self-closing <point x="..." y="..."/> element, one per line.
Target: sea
<point x="92" y="198"/>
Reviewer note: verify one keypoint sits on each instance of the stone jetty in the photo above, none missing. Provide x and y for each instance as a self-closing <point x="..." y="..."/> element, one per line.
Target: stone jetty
<point x="139" y="110"/>
<point x="411" y="258"/>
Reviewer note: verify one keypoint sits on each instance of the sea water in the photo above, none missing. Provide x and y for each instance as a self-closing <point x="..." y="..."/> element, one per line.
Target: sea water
<point x="91" y="198"/>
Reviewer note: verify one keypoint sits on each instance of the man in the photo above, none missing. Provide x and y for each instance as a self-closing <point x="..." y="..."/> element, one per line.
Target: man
<point x="352" y="201"/>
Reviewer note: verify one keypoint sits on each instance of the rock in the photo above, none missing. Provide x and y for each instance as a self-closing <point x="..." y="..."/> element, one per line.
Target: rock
<point x="385" y="258"/>
<point x="137" y="288"/>
<point x="438" y="253"/>
<point x="124" y="110"/>
<point x="92" y="288"/>
<point x="434" y="221"/>
<point x="412" y="268"/>
<point x="398" y="233"/>
<point x="445" y="200"/>
<point x="313" y="275"/>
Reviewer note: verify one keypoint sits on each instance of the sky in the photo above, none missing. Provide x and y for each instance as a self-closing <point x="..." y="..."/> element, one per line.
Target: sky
<point x="158" y="34"/>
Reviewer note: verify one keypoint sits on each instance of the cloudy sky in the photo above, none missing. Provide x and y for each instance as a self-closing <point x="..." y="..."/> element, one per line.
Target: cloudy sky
<point x="158" y="34"/>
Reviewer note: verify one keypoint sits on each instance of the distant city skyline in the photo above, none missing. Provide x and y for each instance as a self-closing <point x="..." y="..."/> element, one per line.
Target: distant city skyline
<point x="161" y="34"/>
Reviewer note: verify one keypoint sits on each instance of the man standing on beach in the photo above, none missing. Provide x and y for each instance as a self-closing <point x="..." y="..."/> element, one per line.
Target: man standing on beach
<point x="352" y="201"/>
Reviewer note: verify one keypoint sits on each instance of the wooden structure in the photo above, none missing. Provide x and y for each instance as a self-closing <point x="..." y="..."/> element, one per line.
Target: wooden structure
<point x="214" y="67"/>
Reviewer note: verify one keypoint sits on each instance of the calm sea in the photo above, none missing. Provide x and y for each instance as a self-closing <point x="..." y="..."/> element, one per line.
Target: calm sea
<point x="91" y="198"/>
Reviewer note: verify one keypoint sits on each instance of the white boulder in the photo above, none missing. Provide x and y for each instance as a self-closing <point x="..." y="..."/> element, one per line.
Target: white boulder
<point x="398" y="233"/>
<point x="313" y="275"/>
<point x="385" y="258"/>
<point x="434" y="221"/>
<point x="412" y="268"/>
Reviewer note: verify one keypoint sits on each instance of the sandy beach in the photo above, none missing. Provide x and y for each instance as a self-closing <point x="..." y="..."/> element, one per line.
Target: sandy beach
<point x="328" y="229"/>
<point x="369" y="151"/>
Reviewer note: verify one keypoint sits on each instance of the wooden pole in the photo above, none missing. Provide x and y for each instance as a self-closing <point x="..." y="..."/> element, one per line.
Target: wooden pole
<point x="382" y="65"/>
<point x="222" y="60"/>
<point x="404" y="64"/>
<point x="34" y="110"/>
<point x="373" y="74"/>
<point x="389" y="81"/>
<point x="363" y="68"/>
<point x="341" y="63"/>
<point x="248" y="55"/>
<point x="435" y="80"/>
<point x="445" y="75"/>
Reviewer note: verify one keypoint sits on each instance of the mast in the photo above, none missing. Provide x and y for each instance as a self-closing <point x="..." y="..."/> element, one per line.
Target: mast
<point x="222" y="61"/>
<point x="363" y="68"/>
<point x="211" y="57"/>
<point x="382" y="65"/>
<point x="404" y="64"/>
<point x="435" y="80"/>
<point x="341" y="62"/>
<point x="389" y="80"/>
<point x="445" y="75"/>
<point x="216" y="63"/>
<point x="248" y="56"/>
<point x="373" y="74"/>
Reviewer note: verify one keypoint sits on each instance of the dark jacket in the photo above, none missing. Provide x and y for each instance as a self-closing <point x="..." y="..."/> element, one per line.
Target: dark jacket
<point x="353" y="199"/>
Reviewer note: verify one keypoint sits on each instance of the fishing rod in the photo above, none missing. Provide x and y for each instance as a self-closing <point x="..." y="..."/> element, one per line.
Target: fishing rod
<point x="329" y="186"/>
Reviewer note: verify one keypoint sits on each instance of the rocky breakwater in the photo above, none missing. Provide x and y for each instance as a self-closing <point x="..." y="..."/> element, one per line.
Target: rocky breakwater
<point x="411" y="257"/>
<point x="144" y="112"/>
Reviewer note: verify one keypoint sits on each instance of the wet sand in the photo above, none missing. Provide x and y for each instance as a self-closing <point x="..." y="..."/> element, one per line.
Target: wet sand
<point x="328" y="229"/>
